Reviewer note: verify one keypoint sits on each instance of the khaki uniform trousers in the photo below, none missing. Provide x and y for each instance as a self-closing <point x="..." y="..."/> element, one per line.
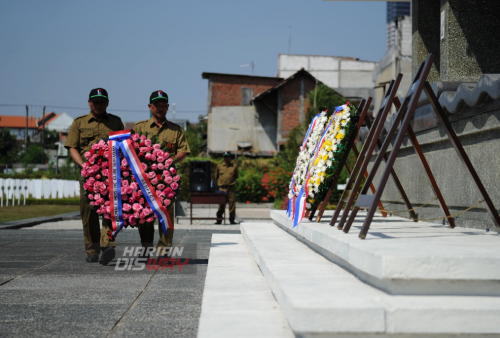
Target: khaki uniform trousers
<point x="231" y="200"/>
<point x="92" y="235"/>
<point x="147" y="233"/>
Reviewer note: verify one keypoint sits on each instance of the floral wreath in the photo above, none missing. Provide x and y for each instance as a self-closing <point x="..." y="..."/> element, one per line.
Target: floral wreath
<point x="331" y="152"/>
<point x="306" y="153"/>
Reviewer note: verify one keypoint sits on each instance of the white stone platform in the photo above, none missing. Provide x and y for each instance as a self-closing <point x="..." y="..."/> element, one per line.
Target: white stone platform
<point x="321" y="299"/>
<point x="236" y="299"/>
<point x="404" y="257"/>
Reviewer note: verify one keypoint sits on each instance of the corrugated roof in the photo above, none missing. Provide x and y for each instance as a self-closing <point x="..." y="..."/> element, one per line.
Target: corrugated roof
<point x="17" y="122"/>
<point x="302" y="71"/>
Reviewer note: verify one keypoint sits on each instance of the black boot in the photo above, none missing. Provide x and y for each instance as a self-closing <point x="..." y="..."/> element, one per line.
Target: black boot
<point x="107" y="255"/>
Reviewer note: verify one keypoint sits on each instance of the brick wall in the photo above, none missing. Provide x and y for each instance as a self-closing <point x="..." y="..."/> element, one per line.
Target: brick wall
<point x="226" y="89"/>
<point x="291" y="105"/>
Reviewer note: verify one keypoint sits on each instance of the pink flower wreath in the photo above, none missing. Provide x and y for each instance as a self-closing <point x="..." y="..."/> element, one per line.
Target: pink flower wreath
<point x="157" y="164"/>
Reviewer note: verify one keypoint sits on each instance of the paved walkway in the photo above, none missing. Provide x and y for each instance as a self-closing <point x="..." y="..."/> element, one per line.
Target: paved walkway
<point x="48" y="290"/>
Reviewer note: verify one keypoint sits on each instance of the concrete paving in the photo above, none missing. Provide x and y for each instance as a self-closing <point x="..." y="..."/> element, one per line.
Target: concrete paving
<point x="47" y="288"/>
<point x="319" y="298"/>
<point x="404" y="257"/>
<point x="236" y="300"/>
<point x="243" y="213"/>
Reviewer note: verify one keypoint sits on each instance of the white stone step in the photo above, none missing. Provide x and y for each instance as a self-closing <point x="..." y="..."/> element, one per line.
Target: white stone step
<point x="319" y="298"/>
<point x="403" y="257"/>
<point x="236" y="299"/>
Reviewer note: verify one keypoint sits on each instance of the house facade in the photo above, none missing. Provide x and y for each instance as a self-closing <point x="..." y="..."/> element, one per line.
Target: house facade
<point x="17" y="126"/>
<point x="234" y="124"/>
<point x="252" y="115"/>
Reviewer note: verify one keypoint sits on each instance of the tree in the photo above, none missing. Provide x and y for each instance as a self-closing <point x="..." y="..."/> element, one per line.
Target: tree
<point x="34" y="154"/>
<point x="69" y="170"/>
<point x="195" y="139"/>
<point x="319" y="99"/>
<point x="8" y="146"/>
<point x="50" y="138"/>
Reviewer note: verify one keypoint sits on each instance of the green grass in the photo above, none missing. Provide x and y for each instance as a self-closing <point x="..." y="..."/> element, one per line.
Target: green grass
<point x="14" y="213"/>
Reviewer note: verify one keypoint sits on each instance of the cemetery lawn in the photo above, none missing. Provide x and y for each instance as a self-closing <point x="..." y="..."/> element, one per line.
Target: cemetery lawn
<point x="18" y="212"/>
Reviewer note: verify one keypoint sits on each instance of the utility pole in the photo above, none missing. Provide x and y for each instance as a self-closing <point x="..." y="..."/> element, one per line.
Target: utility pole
<point x="43" y="130"/>
<point x="290" y="41"/>
<point x="173" y="111"/>
<point x="26" y="133"/>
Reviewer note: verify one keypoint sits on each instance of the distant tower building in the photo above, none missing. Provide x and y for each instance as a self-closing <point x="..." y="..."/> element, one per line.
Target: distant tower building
<point x="397" y="58"/>
<point x="395" y="10"/>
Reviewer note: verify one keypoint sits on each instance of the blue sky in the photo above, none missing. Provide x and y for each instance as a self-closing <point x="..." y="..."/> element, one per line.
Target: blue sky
<point x="53" y="52"/>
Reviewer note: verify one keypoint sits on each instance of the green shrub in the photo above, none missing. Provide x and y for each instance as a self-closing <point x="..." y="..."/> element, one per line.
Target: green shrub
<point x="249" y="187"/>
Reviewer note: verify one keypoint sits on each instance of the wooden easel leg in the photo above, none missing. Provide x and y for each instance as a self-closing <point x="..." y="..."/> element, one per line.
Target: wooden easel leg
<point x="461" y="152"/>
<point x="376" y="164"/>
<point x="373" y="141"/>
<point x="395" y="177"/>
<point x="313" y="211"/>
<point x="372" y="187"/>
<point x="427" y="168"/>
<point x="405" y="113"/>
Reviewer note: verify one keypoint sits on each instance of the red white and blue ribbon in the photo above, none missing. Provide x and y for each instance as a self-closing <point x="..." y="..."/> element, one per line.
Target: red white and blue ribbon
<point x="121" y="139"/>
<point x="115" y="196"/>
<point x="147" y="188"/>
<point x="300" y="203"/>
<point x="290" y="210"/>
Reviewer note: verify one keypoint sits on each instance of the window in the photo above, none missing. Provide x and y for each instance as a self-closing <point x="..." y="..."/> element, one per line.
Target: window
<point x="246" y="96"/>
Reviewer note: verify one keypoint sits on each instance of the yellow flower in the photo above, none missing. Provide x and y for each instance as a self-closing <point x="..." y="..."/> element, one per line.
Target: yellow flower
<point x="316" y="161"/>
<point x="328" y="143"/>
<point x="325" y="157"/>
<point x="338" y="127"/>
<point x="318" y="181"/>
<point x="339" y="136"/>
<point x="343" y="121"/>
<point x="329" y="149"/>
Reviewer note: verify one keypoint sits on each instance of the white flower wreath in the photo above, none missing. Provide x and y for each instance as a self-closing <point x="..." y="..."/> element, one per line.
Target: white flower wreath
<point x="306" y="152"/>
<point x="334" y="135"/>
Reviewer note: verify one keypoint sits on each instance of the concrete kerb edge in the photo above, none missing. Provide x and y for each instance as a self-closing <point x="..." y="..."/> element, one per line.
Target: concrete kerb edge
<point x="25" y="223"/>
<point x="299" y="321"/>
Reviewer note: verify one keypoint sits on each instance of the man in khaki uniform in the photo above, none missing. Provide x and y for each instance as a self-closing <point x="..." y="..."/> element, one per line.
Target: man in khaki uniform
<point x="226" y="175"/>
<point x="173" y="135"/>
<point x="85" y="131"/>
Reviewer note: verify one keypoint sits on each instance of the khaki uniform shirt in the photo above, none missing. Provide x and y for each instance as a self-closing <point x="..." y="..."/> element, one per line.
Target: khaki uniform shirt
<point x="86" y="130"/>
<point x="170" y="133"/>
<point x="226" y="174"/>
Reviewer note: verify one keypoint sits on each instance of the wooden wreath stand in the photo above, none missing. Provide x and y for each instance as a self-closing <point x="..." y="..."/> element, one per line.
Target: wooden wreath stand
<point x="402" y="121"/>
<point x="363" y="108"/>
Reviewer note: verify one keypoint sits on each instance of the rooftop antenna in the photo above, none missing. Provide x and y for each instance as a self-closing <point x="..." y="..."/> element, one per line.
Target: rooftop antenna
<point x="173" y="111"/>
<point x="290" y="41"/>
<point x="252" y="64"/>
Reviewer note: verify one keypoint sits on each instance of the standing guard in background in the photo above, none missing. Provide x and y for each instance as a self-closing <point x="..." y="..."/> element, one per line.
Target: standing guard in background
<point x="173" y="135"/>
<point x="226" y="175"/>
<point x="85" y="131"/>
